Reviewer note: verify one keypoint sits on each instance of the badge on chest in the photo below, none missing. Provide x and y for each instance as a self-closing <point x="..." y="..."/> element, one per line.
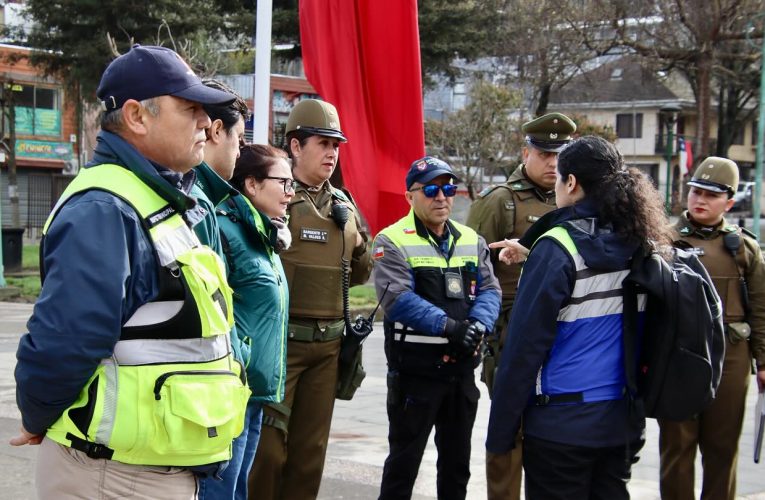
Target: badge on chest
<point x="454" y="288"/>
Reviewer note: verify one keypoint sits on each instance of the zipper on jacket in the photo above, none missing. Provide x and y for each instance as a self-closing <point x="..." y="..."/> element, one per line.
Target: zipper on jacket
<point x="163" y="378"/>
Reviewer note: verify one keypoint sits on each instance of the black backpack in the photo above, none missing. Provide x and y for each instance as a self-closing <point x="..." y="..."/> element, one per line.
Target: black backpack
<point x="675" y="366"/>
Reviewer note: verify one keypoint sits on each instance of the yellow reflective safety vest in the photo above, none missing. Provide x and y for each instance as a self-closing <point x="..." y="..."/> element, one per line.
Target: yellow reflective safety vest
<point x="433" y="275"/>
<point x="171" y="393"/>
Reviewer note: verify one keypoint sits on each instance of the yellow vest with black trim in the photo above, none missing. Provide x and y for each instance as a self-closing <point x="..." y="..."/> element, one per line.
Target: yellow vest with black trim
<point x="422" y="352"/>
<point x="178" y="398"/>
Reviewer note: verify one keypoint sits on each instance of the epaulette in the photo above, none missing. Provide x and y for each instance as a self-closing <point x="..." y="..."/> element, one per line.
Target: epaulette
<point x="749" y="233"/>
<point x="487" y="191"/>
<point x="342" y="194"/>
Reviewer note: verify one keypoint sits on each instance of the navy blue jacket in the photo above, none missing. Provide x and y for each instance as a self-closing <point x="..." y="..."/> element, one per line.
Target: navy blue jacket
<point x="545" y="288"/>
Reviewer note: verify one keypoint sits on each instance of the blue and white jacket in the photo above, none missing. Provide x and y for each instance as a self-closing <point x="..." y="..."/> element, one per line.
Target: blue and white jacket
<point x="562" y="366"/>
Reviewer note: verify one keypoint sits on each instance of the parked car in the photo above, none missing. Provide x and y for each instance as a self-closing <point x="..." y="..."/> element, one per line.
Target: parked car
<point x="742" y="199"/>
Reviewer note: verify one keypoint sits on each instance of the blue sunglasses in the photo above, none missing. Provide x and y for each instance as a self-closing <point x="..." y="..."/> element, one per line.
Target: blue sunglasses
<point x="431" y="190"/>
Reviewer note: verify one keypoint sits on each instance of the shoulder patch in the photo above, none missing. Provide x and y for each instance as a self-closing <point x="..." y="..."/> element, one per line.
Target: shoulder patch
<point x="509" y="204"/>
<point x="378" y="253"/>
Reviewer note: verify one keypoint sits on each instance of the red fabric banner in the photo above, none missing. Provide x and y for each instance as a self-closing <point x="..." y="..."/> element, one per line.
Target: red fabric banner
<point x="364" y="57"/>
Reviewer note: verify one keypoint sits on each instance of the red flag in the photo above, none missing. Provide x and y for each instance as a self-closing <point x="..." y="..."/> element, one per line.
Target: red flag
<point x="688" y="157"/>
<point x="364" y="57"/>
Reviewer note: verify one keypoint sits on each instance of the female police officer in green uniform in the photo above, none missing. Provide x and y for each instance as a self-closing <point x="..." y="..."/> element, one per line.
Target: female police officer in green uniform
<point x="734" y="261"/>
<point x="326" y="237"/>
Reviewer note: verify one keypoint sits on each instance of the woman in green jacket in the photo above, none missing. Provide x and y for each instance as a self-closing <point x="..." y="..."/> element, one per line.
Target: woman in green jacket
<point x="253" y="232"/>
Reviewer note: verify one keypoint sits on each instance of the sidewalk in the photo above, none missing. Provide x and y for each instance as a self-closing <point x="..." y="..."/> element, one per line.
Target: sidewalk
<point x="358" y="441"/>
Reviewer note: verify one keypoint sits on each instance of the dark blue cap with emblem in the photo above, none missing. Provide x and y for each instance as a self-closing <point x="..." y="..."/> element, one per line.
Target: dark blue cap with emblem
<point x="426" y="169"/>
<point x="149" y="71"/>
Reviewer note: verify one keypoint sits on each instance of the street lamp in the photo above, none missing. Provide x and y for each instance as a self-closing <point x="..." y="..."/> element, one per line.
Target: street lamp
<point x="669" y="111"/>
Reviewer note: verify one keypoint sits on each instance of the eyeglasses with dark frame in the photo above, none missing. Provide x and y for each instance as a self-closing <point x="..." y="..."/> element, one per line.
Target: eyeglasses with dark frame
<point x="288" y="183"/>
<point x="431" y="190"/>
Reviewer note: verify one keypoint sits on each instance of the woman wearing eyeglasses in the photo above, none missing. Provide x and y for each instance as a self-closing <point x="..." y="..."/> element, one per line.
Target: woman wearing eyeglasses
<point x="562" y="366"/>
<point x="253" y="232"/>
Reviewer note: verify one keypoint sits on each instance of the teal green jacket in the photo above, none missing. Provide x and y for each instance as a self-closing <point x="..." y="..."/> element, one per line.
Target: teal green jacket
<point x="261" y="295"/>
<point x="210" y="190"/>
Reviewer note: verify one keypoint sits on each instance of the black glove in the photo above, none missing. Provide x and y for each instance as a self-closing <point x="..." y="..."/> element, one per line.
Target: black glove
<point x="462" y="335"/>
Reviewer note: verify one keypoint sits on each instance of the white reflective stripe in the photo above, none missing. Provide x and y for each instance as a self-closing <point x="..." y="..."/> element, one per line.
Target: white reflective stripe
<point x="174" y="243"/>
<point x="538" y="384"/>
<point x="153" y="313"/>
<point x="592" y="309"/>
<point x="149" y="351"/>
<point x="599" y="283"/>
<point x="421" y="339"/>
<point x="111" y="386"/>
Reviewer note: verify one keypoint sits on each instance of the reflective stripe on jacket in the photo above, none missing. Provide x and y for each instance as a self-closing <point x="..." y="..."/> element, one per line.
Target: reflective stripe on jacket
<point x="587" y="356"/>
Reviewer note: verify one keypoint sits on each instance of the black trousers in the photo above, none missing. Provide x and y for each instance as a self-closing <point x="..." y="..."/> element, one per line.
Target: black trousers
<point x="415" y="405"/>
<point x="559" y="471"/>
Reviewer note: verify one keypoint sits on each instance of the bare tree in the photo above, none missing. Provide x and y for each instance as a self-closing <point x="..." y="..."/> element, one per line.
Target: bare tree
<point x="547" y="42"/>
<point x="692" y="36"/>
<point x="483" y="136"/>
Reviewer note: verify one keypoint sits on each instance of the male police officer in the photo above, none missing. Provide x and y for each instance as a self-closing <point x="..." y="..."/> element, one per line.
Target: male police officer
<point x="735" y="263"/>
<point x="127" y="368"/>
<point x="441" y="298"/>
<point x="328" y="242"/>
<point x="507" y="211"/>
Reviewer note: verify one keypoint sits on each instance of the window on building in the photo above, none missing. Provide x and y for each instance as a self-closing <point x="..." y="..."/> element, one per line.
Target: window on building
<point x="738" y="135"/>
<point x="754" y="133"/>
<point x="629" y="126"/>
<point x="38" y="111"/>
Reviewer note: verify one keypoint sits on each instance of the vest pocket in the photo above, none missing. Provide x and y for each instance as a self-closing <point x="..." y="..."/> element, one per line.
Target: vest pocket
<point x="203" y="272"/>
<point x="198" y="412"/>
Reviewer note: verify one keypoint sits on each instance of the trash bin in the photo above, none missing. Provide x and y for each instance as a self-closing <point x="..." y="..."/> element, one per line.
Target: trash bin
<point x="12" y="246"/>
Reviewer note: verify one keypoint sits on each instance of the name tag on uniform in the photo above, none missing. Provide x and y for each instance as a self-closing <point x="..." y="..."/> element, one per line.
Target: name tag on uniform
<point x="532" y="218"/>
<point x="695" y="251"/>
<point x="318" y="235"/>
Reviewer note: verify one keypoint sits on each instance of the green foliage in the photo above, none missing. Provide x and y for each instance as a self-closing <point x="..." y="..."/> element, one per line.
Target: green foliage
<point x="30" y="257"/>
<point x="585" y="127"/>
<point x="455" y="28"/>
<point x="28" y="285"/>
<point x="484" y="136"/>
<point x="362" y="296"/>
<point x="72" y="34"/>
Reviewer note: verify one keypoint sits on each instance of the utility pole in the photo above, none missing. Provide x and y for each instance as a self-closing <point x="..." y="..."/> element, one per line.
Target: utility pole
<point x="759" y="158"/>
<point x="670" y="111"/>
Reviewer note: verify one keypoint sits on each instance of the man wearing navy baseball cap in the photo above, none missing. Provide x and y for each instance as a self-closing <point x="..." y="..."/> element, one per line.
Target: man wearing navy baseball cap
<point x="435" y="280"/>
<point x="123" y="377"/>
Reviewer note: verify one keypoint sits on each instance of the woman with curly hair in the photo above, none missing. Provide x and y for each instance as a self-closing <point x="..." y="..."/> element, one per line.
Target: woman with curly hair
<point x="562" y="367"/>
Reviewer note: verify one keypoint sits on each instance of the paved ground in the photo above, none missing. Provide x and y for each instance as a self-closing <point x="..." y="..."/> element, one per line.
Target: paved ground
<point x="358" y="444"/>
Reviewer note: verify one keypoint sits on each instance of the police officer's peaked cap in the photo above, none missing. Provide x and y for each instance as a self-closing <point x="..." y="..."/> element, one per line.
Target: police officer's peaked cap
<point x="428" y="168"/>
<point x="549" y="132"/>
<point x="315" y="117"/>
<point x="716" y="174"/>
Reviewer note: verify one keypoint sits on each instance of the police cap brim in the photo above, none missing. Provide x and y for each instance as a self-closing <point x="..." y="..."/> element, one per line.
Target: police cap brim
<point x="548" y="146"/>
<point x="326" y="132"/>
<point x="709" y="186"/>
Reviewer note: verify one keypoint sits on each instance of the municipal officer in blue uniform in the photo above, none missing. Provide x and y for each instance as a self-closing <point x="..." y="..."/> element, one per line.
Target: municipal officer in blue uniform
<point x="562" y="367"/>
<point x="440" y="296"/>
